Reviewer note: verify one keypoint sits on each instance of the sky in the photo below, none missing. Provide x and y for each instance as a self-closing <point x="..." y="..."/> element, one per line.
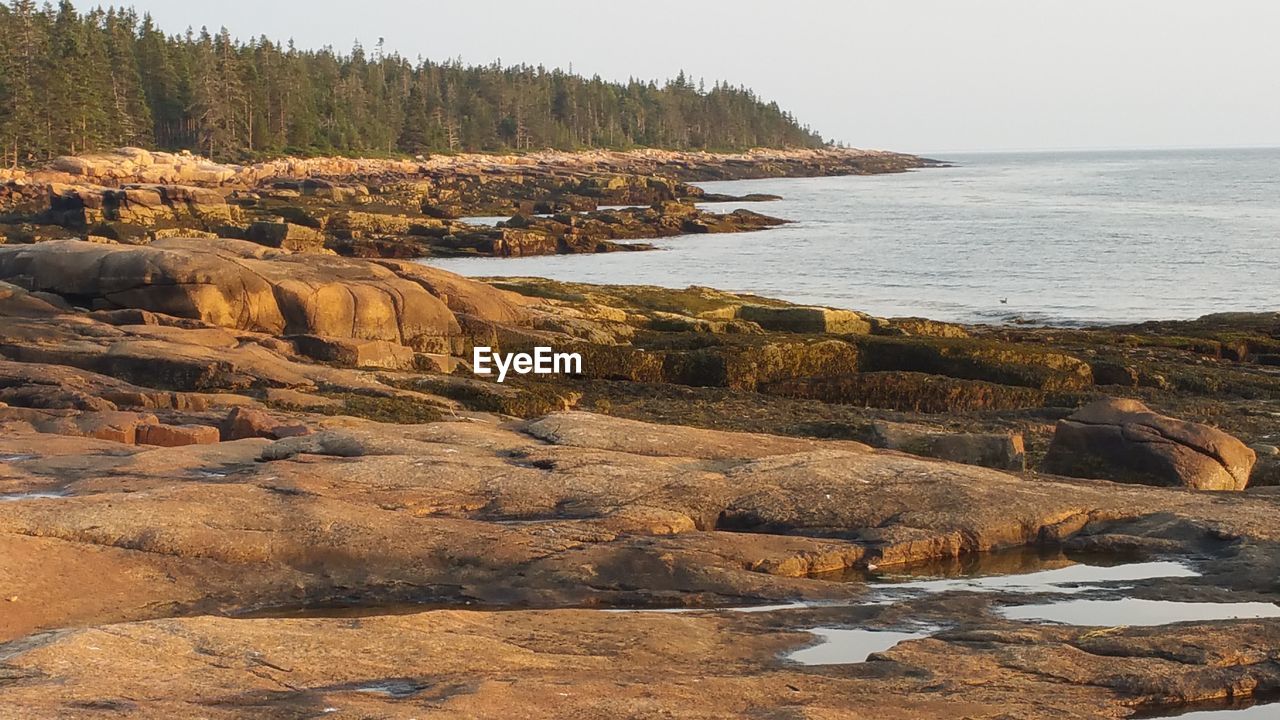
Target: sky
<point x="909" y="75"/>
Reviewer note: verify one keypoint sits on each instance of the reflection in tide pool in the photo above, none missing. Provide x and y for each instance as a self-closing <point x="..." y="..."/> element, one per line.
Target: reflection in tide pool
<point x="1133" y="611"/>
<point x="487" y="220"/>
<point x="1241" y="709"/>
<point x="844" y="645"/>
<point x="1069" y="579"/>
<point x="39" y="495"/>
<point x="1256" y="712"/>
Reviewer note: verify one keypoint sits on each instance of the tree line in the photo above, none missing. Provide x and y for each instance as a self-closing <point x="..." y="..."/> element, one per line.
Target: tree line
<point x="73" y="82"/>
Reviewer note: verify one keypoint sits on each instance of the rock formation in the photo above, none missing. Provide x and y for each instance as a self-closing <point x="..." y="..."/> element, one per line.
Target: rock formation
<point x="1122" y="439"/>
<point x="244" y="286"/>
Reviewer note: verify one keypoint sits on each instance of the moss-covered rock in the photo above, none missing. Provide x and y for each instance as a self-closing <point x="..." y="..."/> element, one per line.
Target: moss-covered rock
<point x="402" y="410"/>
<point x="517" y="398"/>
<point x="977" y="359"/>
<point x="911" y="392"/>
<point x="922" y="327"/>
<point x="746" y="367"/>
<point x="799" y="319"/>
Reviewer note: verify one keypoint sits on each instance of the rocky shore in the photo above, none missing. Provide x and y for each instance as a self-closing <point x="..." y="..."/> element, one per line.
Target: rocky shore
<point x="247" y="477"/>
<point x="556" y="202"/>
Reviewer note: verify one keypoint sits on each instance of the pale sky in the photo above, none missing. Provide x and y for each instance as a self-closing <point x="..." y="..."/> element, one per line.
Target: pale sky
<point x="909" y="75"/>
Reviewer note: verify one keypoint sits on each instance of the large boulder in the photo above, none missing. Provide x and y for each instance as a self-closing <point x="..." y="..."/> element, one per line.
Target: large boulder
<point x="287" y="235"/>
<point x="1123" y="440"/>
<point x="246" y="286"/>
<point x="348" y="352"/>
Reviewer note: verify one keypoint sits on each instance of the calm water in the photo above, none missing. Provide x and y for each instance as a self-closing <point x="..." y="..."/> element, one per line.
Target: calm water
<point x="1066" y="238"/>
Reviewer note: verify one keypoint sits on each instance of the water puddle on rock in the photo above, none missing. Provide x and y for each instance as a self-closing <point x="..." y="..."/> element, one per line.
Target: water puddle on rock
<point x="1026" y="569"/>
<point x="35" y="495"/>
<point x="839" y="646"/>
<point x="1252" y="708"/>
<point x="1018" y="572"/>
<point x="1069" y="579"/>
<point x="1135" y="611"/>
<point x="391" y="688"/>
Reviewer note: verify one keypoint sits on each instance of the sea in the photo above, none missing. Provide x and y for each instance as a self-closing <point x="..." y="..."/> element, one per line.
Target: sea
<point x="1045" y="238"/>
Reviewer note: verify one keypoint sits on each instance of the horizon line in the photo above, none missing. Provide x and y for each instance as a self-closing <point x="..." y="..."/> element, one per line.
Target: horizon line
<point x="1088" y="149"/>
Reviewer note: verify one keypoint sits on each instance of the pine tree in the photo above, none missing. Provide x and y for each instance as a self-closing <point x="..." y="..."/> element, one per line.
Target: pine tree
<point x="131" y="112"/>
<point x="71" y="82"/>
<point x="22" y="55"/>
<point x="160" y="84"/>
<point x="219" y="97"/>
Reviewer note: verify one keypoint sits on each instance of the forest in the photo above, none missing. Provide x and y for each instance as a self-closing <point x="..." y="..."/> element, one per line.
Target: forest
<point x="72" y="82"/>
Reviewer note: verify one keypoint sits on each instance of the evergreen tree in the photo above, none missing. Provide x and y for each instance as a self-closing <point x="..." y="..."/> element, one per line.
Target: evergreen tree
<point x="23" y="53"/>
<point x="71" y="82"/>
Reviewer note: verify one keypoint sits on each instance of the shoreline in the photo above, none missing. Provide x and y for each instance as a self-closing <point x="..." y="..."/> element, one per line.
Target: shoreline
<point x="1012" y="322"/>
<point x="402" y="209"/>
<point x="137" y="165"/>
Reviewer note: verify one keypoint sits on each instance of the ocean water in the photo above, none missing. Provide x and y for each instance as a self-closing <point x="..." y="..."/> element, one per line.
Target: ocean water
<point x="1044" y="238"/>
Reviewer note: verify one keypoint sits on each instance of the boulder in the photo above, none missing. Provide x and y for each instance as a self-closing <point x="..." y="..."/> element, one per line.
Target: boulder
<point x="1123" y="440"/>
<point x="806" y="319"/>
<point x="241" y="285"/>
<point x="438" y="363"/>
<point x="921" y="327"/>
<point x="350" y="352"/>
<point x="286" y="235"/>
<point x="177" y="435"/>
<point x="116" y="426"/>
<point x="17" y="302"/>
<point x="1003" y="451"/>
<point x="1110" y="373"/>
<point x="441" y="211"/>
<point x="244" y="422"/>
<point x="57" y="386"/>
<point x="976" y="359"/>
